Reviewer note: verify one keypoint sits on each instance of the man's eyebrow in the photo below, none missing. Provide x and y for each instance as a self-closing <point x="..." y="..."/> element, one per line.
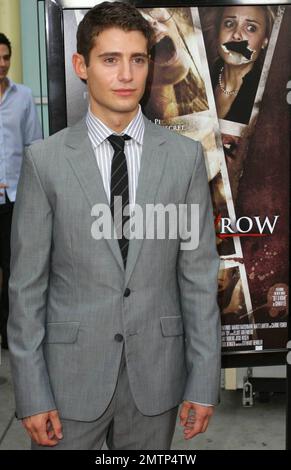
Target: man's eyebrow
<point x="139" y="54"/>
<point x="119" y="54"/>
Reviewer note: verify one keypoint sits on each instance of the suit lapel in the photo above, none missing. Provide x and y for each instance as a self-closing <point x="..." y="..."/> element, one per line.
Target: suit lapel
<point x="153" y="159"/>
<point x="82" y="160"/>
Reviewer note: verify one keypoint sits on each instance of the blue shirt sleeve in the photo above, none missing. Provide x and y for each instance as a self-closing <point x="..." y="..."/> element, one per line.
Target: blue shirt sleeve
<point x="32" y="130"/>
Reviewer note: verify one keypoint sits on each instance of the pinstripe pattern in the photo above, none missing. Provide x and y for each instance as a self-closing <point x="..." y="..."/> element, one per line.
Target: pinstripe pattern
<point x="98" y="133"/>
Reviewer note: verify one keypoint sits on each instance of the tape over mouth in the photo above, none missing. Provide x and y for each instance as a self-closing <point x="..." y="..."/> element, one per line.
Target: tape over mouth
<point x="239" y="47"/>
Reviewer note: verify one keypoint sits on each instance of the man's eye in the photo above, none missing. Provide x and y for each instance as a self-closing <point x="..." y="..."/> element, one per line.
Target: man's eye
<point x="110" y="60"/>
<point x="139" y="60"/>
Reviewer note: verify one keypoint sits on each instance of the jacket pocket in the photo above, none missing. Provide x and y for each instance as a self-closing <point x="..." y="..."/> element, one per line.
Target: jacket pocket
<point x="62" y="332"/>
<point x="172" y="326"/>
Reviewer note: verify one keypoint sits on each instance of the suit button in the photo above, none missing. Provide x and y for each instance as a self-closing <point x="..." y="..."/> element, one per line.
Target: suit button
<point x="127" y="292"/>
<point x="118" y="338"/>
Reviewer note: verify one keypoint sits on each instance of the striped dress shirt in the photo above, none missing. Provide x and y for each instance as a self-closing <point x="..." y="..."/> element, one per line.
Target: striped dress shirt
<point x="98" y="133"/>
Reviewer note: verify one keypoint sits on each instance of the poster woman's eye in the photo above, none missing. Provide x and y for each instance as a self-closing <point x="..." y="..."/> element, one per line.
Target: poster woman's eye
<point x="228" y="23"/>
<point x="251" y="28"/>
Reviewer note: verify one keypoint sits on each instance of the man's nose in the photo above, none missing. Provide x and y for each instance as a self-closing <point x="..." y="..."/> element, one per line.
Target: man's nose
<point x="125" y="71"/>
<point x="2" y="61"/>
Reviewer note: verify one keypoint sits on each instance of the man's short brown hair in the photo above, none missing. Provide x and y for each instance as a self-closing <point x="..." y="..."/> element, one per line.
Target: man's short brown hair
<point x="109" y="15"/>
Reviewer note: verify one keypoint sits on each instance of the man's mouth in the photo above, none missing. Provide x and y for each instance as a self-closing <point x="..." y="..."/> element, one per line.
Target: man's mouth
<point x="124" y="91"/>
<point x="164" y="51"/>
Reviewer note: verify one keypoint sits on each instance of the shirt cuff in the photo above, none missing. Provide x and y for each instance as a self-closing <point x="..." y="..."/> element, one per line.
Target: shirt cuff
<point x="202" y="404"/>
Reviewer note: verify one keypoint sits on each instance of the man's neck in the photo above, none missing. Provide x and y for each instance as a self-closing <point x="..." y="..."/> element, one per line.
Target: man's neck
<point x="115" y="121"/>
<point x="4" y="84"/>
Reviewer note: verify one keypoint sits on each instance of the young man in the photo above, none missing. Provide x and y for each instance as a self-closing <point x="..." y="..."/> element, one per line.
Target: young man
<point x="109" y="336"/>
<point x="19" y="126"/>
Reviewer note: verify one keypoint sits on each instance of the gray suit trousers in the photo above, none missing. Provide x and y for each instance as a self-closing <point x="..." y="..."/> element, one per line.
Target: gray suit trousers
<point x="122" y="425"/>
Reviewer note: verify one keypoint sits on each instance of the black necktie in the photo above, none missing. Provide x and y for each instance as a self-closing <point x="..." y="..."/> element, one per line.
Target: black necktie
<point x="119" y="187"/>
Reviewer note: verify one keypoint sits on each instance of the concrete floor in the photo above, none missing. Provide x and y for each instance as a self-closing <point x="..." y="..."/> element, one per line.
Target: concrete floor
<point x="232" y="427"/>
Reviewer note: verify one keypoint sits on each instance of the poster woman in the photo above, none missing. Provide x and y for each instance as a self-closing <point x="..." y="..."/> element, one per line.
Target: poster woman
<point x="242" y="37"/>
<point x="175" y="87"/>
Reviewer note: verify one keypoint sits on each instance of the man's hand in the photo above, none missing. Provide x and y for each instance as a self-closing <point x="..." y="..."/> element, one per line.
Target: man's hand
<point x="45" y="429"/>
<point x="2" y="186"/>
<point x="194" y="418"/>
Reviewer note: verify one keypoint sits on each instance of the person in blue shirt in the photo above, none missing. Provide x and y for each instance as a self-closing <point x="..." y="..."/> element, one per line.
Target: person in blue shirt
<point x="19" y="126"/>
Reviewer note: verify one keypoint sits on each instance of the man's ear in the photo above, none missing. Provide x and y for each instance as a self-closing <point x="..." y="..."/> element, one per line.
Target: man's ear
<point x="80" y="66"/>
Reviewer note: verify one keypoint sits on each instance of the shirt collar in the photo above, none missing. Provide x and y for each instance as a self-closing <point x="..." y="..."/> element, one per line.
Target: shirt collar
<point x="98" y="131"/>
<point x="11" y="84"/>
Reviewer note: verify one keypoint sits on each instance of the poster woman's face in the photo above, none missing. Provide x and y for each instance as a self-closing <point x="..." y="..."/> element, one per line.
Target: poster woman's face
<point x="242" y="23"/>
<point x="169" y="56"/>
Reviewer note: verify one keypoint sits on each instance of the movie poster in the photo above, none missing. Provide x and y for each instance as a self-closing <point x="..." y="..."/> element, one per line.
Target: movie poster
<point x="219" y="75"/>
<point x="255" y="134"/>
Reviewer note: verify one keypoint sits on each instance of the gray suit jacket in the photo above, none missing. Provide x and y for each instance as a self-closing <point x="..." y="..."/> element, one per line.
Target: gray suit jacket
<point x="67" y="288"/>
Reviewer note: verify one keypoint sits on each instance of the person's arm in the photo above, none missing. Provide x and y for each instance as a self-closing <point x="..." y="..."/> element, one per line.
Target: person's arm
<point x="30" y="263"/>
<point x="197" y="276"/>
<point x="32" y="127"/>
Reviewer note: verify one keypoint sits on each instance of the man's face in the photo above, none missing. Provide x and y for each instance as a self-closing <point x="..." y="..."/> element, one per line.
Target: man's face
<point x="117" y="71"/>
<point x="4" y="61"/>
<point x="243" y="23"/>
